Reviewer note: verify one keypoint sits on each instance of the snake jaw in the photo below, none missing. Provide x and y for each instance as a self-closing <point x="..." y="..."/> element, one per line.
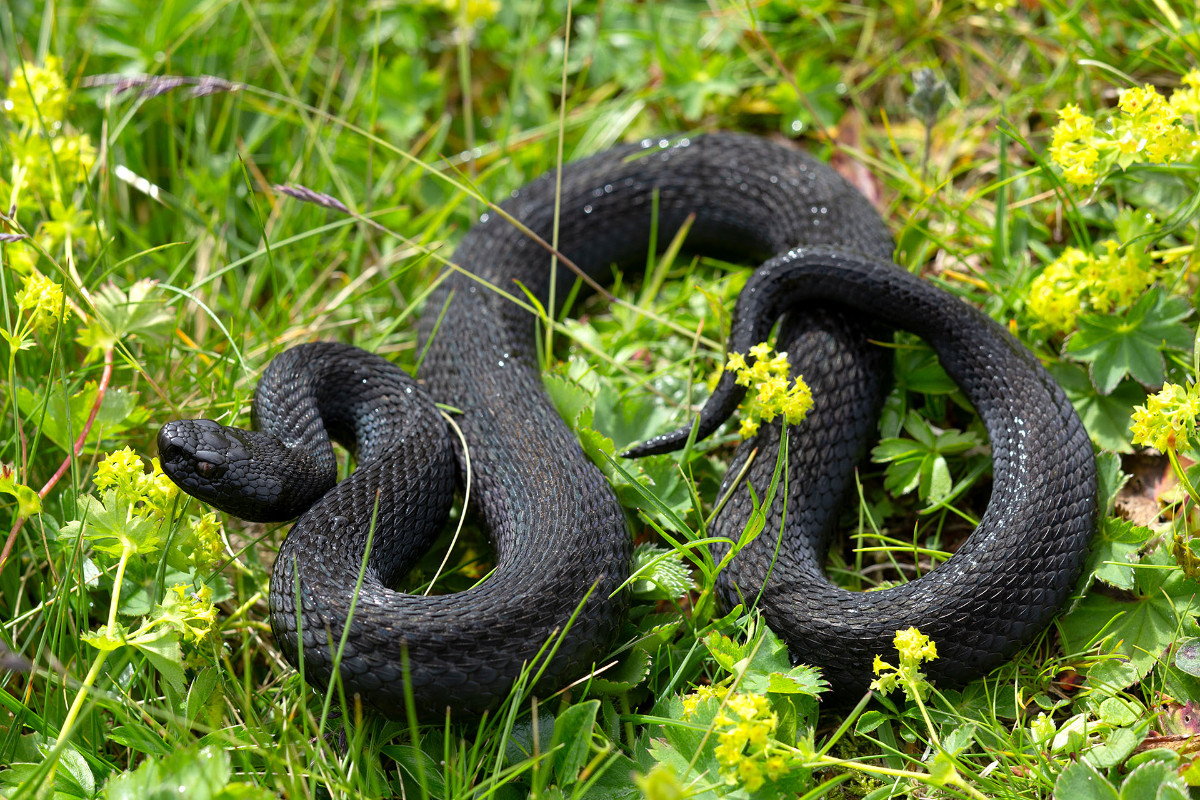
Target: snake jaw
<point x="222" y="466"/>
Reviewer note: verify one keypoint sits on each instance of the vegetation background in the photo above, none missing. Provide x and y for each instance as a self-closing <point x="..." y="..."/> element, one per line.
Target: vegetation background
<point x="1037" y="158"/>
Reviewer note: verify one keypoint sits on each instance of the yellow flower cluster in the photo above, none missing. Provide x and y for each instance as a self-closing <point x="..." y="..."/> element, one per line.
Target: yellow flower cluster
<point x="42" y="299"/>
<point x="474" y="9"/>
<point x="192" y="615"/>
<point x="1145" y="129"/>
<point x="209" y="549"/>
<point x="1169" y="418"/>
<point x="694" y="698"/>
<point x="1186" y="99"/>
<point x="37" y="93"/>
<point x="1076" y="282"/>
<point x="123" y="471"/>
<point x="773" y="397"/>
<point x="744" y="730"/>
<point x="913" y="647"/>
<point x="43" y="157"/>
<point x="1072" y="145"/>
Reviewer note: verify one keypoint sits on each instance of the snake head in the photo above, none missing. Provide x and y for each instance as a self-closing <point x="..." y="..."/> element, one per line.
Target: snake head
<point x="244" y="473"/>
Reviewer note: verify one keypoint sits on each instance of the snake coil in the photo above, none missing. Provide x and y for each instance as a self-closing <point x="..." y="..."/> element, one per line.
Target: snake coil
<point x="561" y="539"/>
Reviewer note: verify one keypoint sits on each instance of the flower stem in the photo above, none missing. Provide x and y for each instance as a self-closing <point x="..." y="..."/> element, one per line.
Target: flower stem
<point x="64" y="733"/>
<point x="126" y="551"/>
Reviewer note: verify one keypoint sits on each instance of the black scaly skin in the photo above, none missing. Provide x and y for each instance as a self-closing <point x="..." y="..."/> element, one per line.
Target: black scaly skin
<point x="561" y="541"/>
<point x="1005" y="583"/>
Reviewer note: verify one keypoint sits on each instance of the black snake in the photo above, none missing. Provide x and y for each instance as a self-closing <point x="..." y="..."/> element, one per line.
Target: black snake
<point x="561" y="539"/>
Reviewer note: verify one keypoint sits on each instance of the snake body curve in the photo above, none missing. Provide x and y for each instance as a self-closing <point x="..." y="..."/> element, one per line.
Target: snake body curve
<point x="560" y="537"/>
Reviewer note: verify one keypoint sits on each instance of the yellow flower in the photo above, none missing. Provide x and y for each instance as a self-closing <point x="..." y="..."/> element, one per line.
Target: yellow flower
<point x="751" y="774"/>
<point x="1172" y="144"/>
<point x="774" y="395"/>
<point x="1072" y="126"/>
<point x="1077" y="281"/>
<point x="1168" y="419"/>
<point x="1144" y="128"/>
<point x="735" y="363"/>
<point x="37" y="94"/>
<point x="43" y="299"/>
<point x="1186" y="99"/>
<point x="760" y="351"/>
<point x="697" y="696"/>
<point x="209" y="548"/>
<point x="1135" y="101"/>
<point x="119" y="468"/>
<point x="475" y="9"/>
<point x="797" y="403"/>
<point x="191" y="615"/>
<point x="915" y="646"/>
<point x="744" y="741"/>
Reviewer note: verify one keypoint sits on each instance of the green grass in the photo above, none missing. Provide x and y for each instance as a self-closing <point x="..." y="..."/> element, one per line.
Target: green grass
<point x="414" y="116"/>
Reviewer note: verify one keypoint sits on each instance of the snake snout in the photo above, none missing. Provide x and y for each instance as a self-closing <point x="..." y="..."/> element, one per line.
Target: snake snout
<point x="194" y="452"/>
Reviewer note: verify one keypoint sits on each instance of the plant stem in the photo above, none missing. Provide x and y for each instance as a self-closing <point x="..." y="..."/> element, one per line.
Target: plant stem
<point x="64" y="733"/>
<point x="126" y="551"/>
<point x="74" y="453"/>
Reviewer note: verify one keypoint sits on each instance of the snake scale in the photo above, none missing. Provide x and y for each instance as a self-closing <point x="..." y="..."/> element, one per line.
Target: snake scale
<point x="562" y="544"/>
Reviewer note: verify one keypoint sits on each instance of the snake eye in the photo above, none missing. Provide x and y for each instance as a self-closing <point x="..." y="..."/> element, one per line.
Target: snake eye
<point x="209" y="470"/>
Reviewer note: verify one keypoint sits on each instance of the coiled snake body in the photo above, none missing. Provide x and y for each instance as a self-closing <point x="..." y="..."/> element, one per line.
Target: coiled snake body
<point x="561" y="539"/>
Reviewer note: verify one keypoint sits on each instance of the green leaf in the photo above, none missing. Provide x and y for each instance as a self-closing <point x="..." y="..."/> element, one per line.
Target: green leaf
<point x="415" y="762"/>
<point x="918" y="370"/>
<point x="1118" y="712"/>
<point x="725" y="651"/>
<point x="1110" y="478"/>
<point x="1149" y="781"/>
<point x="768" y="654"/>
<point x="161" y="647"/>
<point x="1107" y="417"/>
<point x="935" y="480"/>
<point x="661" y="573"/>
<point x="631" y="671"/>
<point x="118" y="315"/>
<point x="801" y="679"/>
<point x="896" y="450"/>
<point x="109" y="527"/>
<point x="1114" y="550"/>
<point x="139" y="738"/>
<point x="1117" y="345"/>
<point x="1117" y="747"/>
<point x="919" y="463"/>
<point x="519" y="745"/>
<point x="74" y="764"/>
<point x="118" y="412"/>
<point x="197" y="773"/>
<point x="1081" y="781"/>
<point x="1162" y="604"/>
<point x="573" y="402"/>
<point x="1187" y="656"/>
<point x="959" y="738"/>
<point x="201" y="691"/>
<point x="630" y="418"/>
<point x="28" y="502"/>
<point x="573" y="731"/>
<point x="869" y="721"/>
<point x="615" y="781"/>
